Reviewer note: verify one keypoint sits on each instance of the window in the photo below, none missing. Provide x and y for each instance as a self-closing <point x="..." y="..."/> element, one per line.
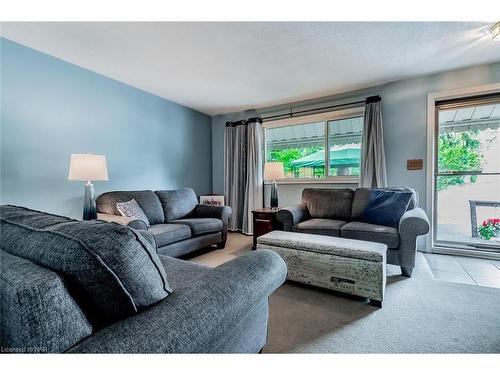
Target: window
<point x="300" y="143"/>
<point x="345" y="146"/>
<point x="301" y="148"/>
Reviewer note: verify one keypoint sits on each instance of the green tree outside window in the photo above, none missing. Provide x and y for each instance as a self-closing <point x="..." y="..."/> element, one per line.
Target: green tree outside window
<point x="458" y="152"/>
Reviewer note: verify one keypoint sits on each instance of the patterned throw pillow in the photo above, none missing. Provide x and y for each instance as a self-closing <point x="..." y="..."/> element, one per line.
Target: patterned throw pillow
<point x="132" y="209"/>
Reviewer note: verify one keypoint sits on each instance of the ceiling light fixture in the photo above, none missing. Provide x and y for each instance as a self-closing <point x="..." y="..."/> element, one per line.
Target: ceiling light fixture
<point x="495" y="32"/>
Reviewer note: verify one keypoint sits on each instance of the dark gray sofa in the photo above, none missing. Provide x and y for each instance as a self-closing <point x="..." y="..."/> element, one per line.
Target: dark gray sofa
<point x="178" y="223"/>
<point x="58" y="280"/>
<point x="338" y="213"/>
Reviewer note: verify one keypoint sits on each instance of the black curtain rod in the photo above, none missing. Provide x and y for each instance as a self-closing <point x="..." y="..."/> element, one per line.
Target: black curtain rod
<point x="302" y="113"/>
<point x="244" y="122"/>
<point x="370" y="99"/>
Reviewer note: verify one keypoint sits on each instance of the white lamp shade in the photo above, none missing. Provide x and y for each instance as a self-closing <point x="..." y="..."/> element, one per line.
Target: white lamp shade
<point x="274" y="170"/>
<point x="88" y="167"/>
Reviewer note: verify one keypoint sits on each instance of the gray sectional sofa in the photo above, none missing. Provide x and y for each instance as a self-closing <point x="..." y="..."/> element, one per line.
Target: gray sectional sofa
<point x="339" y="213"/>
<point x="178" y="224"/>
<point x="100" y="287"/>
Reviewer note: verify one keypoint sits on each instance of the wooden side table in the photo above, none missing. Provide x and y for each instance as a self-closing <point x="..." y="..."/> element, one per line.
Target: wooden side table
<point x="264" y="221"/>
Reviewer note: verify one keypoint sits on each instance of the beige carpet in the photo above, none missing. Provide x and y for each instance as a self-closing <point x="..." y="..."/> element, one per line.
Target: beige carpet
<point x="420" y="314"/>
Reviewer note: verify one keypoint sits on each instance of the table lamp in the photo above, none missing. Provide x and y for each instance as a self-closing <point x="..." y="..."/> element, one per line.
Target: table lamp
<point x="88" y="168"/>
<point x="274" y="171"/>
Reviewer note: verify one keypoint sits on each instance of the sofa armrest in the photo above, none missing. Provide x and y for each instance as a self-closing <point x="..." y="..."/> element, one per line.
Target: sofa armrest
<point x="414" y="223"/>
<point x="208" y="210"/>
<point x="218" y="212"/>
<point x="289" y="216"/>
<point x="198" y="318"/>
<point x="123" y="220"/>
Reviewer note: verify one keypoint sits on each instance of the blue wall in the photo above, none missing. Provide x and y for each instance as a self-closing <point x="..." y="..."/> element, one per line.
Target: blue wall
<point x="50" y="109"/>
<point x="404" y="111"/>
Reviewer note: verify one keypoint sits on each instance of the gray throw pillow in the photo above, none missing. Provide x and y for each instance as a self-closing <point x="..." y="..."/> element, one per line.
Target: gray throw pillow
<point x="111" y="270"/>
<point x="133" y="210"/>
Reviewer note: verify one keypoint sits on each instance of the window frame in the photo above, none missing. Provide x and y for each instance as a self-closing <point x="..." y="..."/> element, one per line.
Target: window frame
<point x="457" y="103"/>
<point x="324" y="117"/>
<point x="432" y="99"/>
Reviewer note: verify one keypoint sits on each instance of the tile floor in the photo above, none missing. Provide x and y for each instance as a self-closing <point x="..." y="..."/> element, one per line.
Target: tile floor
<point x="465" y="270"/>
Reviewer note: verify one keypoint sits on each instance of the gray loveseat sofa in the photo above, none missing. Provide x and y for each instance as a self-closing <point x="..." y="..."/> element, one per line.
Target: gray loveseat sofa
<point x="178" y="223"/>
<point x="339" y="213"/>
<point x="100" y="287"/>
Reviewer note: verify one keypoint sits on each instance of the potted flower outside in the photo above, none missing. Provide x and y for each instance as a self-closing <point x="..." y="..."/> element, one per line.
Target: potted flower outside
<point x="490" y="229"/>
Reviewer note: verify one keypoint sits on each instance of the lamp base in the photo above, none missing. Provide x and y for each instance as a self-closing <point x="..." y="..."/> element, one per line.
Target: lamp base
<point x="89" y="207"/>
<point x="274" y="195"/>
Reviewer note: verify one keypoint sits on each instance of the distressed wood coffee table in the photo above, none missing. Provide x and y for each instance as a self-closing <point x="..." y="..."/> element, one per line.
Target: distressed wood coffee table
<point x="340" y="264"/>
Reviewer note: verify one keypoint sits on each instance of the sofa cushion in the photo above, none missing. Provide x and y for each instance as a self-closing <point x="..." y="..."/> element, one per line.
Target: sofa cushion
<point x="149" y="202"/>
<point x="111" y="270"/>
<point x="362" y="197"/>
<point x="177" y="203"/>
<point x="36" y="219"/>
<point x="371" y="232"/>
<point x="183" y="274"/>
<point x="328" y="203"/>
<point x="386" y="207"/>
<point x="327" y="227"/>
<point x="201" y="225"/>
<point x="165" y="234"/>
<point x="37" y="313"/>
<point x="132" y="209"/>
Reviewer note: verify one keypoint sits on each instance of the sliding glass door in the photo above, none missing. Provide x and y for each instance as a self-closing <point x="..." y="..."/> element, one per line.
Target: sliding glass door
<point x="467" y="174"/>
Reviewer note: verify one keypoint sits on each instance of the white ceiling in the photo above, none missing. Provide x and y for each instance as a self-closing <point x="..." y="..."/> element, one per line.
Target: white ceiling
<point x="227" y="67"/>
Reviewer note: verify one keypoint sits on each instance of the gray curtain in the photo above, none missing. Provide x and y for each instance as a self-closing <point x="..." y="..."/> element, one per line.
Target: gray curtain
<point x="373" y="166"/>
<point x="254" y="181"/>
<point x="243" y="172"/>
